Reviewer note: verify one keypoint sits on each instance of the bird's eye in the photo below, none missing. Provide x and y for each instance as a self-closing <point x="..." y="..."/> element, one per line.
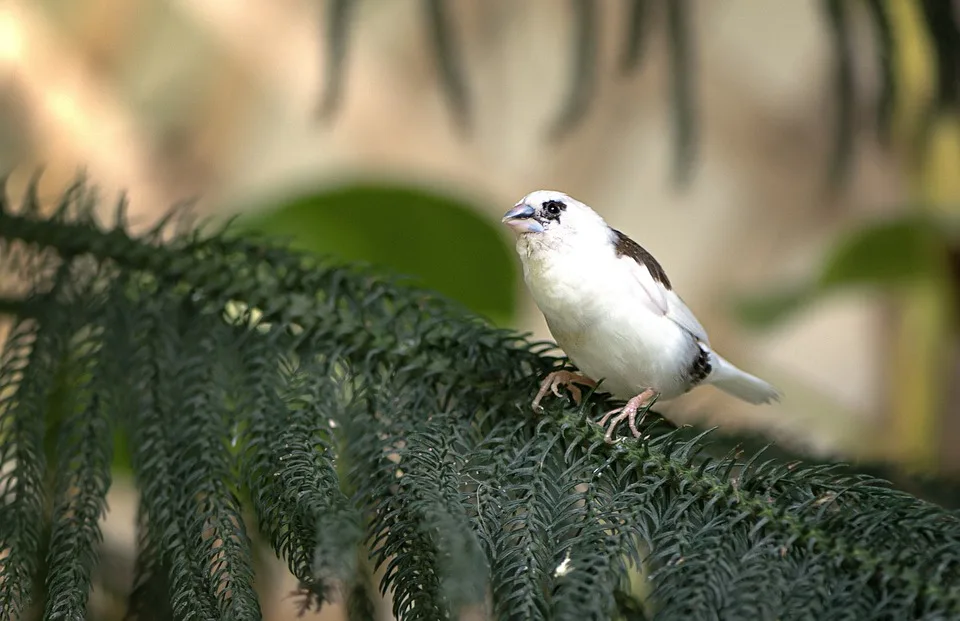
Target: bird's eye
<point x="553" y="208"/>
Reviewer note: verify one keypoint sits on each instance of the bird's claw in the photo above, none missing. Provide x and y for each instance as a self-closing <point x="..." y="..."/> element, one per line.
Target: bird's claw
<point x="555" y="380"/>
<point x="628" y="412"/>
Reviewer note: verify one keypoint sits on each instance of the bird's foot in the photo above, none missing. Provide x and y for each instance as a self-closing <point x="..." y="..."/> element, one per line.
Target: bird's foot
<point x="628" y="412"/>
<point x="555" y="380"/>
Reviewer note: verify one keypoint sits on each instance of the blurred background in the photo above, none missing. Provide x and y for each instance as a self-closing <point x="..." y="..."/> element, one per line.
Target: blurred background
<point x="795" y="166"/>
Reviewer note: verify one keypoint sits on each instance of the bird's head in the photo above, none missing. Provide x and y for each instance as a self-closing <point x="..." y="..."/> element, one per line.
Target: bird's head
<point x="555" y="216"/>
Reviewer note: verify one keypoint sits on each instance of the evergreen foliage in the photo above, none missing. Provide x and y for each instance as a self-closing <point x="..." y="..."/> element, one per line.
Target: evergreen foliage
<point x="358" y="424"/>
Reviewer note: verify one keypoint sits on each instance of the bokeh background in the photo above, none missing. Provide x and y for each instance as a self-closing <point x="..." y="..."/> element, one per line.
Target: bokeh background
<point x="834" y="281"/>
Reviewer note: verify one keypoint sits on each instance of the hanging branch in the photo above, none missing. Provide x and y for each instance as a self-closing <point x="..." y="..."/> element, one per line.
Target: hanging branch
<point x="339" y="18"/>
<point x="943" y="29"/>
<point x="681" y="89"/>
<point x="841" y="159"/>
<point x="583" y="75"/>
<point x="887" y="50"/>
<point x="440" y="31"/>
<point x="636" y="34"/>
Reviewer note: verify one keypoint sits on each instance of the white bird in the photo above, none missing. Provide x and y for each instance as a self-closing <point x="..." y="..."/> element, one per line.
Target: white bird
<point x="611" y="308"/>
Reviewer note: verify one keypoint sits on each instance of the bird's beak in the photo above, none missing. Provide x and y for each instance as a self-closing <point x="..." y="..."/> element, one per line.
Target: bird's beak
<point x="521" y="219"/>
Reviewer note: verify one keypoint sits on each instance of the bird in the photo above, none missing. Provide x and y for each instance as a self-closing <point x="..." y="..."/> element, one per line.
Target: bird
<point x="612" y="309"/>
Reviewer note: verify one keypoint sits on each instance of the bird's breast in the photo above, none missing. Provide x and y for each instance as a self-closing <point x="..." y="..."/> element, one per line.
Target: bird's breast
<point x="574" y="289"/>
<point x="597" y="317"/>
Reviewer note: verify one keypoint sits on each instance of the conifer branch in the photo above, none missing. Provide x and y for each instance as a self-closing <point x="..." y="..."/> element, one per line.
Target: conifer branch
<point x="358" y="416"/>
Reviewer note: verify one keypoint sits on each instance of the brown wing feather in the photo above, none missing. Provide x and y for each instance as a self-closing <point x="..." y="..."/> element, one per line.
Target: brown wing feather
<point x="700" y="366"/>
<point x="628" y="247"/>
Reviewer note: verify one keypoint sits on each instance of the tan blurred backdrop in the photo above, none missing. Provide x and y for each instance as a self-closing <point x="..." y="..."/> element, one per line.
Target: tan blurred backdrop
<point x="217" y="100"/>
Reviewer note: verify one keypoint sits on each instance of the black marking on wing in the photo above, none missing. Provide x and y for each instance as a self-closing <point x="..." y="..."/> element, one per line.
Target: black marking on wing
<point x="700" y="368"/>
<point x="627" y="247"/>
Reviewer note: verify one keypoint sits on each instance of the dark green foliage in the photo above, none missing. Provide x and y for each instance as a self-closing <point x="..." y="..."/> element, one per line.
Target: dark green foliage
<point x="83" y="455"/>
<point x="362" y="425"/>
<point x="190" y="516"/>
<point x="27" y="375"/>
<point x="290" y="472"/>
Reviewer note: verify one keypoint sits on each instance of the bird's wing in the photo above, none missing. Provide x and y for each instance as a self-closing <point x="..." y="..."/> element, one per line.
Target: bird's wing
<point x="661" y="299"/>
<point x="681" y="314"/>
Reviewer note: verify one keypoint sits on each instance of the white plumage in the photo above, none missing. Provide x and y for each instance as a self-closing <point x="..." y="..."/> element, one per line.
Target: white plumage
<point x="611" y="308"/>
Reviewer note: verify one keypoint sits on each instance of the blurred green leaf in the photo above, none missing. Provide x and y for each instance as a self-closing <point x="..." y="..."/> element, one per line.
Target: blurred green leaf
<point x="887" y="254"/>
<point x="444" y="244"/>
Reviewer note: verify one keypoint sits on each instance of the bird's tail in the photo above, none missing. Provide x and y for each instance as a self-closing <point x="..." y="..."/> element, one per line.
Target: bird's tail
<point x="731" y="380"/>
